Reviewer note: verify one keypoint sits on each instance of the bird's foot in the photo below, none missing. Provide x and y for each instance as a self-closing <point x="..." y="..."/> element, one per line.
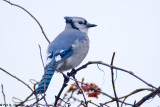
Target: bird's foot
<point x="72" y="73"/>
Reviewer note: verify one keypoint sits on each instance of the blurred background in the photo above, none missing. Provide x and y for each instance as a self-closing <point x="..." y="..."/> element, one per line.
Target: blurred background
<point x="129" y="28"/>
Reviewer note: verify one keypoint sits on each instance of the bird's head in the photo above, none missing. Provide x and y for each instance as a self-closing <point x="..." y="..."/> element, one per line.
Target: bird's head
<point x="78" y="23"/>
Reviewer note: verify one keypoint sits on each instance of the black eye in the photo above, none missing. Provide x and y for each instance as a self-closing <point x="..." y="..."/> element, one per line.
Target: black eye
<point x="80" y="22"/>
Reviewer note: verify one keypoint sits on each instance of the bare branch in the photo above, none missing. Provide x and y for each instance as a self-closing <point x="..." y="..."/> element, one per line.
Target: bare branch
<point x="80" y="90"/>
<point x="16" y="78"/>
<point x="151" y="95"/>
<point x="21" y="103"/>
<point x="113" y="85"/>
<point x="130" y="94"/>
<point x="114" y="67"/>
<point x="33" y="93"/>
<point x="64" y="102"/>
<point x="71" y="73"/>
<point x="63" y="99"/>
<point x="137" y="91"/>
<point x="66" y="80"/>
<point x="134" y="92"/>
<point x="108" y="95"/>
<point x="92" y="103"/>
<point x="34" y="87"/>
<point x="41" y="55"/>
<point x="32" y="17"/>
<point x="3" y="96"/>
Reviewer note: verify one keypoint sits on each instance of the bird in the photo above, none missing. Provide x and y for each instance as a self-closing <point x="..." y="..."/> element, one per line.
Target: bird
<point x="67" y="50"/>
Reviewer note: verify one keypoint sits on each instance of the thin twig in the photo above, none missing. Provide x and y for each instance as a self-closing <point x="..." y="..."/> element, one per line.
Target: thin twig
<point x="66" y="80"/>
<point x="15" y="98"/>
<point x="112" y="76"/>
<point x="75" y="99"/>
<point x="151" y="95"/>
<point x="73" y="73"/>
<point x="114" y="67"/>
<point x="113" y="99"/>
<point x="33" y="93"/>
<point x="108" y="95"/>
<point x="65" y="102"/>
<point x="39" y="100"/>
<point x="41" y="55"/>
<point x="69" y="97"/>
<point x="101" y="92"/>
<point x="132" y="93"/>
<point x="45" y="101"/>
<point x="3" y="96"/>
<point x="16" y="78"/>
<point x="32" y="17"/>
<point x="62" y="99"/>
<point x="92" y="103"/>
<point x="21" y="103"/>
<point x="34" y="87"/>
<point x="136" y="91"/>
<point x="80" y="90"/>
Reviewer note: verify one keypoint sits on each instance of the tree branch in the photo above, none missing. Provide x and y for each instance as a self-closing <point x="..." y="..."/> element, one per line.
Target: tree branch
<point x="73" y="73"/>
<point x="113" y="85"/>
<point x="151" y="95"/>
<point x="3" y="96"/>
<point x="132" y="93"/>
<point x="114" y="67"/>
<point x="32" y="17"/>
<point x="66" y="80"/>
<point x="22" y="83"/>
<point x="80" y="90"/>
<point x="21" y="103"/>
<point x="16" y="78"/>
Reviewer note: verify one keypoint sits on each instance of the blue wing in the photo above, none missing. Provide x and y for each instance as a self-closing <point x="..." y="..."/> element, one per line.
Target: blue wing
<point x="49" y="69"/>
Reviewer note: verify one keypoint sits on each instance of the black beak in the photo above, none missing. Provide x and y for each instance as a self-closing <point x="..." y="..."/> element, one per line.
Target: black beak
<point x="91" y="25"/>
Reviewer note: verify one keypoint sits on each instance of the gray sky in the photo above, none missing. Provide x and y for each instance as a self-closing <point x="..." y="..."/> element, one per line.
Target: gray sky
<point x="128" y="27"/>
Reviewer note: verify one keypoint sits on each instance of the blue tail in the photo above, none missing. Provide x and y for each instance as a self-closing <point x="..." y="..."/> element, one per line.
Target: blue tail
<point x="44" y="83"/>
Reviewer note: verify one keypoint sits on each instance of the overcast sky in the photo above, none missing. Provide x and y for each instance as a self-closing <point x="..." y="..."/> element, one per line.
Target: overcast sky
<point x="131" y="28"/>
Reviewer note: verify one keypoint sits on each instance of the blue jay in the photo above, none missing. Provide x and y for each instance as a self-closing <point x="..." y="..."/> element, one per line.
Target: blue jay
<point x="67" y="50"/>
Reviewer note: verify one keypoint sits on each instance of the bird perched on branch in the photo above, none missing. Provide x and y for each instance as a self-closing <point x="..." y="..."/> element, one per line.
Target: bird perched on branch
<point x="67" y="50"/>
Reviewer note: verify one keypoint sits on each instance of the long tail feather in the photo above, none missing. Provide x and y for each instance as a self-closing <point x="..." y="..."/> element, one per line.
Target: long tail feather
<point x="44" y="83"/>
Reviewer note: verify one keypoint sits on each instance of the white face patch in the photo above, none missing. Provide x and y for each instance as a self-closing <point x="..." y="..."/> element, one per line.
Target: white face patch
<point x="82" y="27"/>
<point x="84" y="30"/>
<point x="58" y="58"/>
